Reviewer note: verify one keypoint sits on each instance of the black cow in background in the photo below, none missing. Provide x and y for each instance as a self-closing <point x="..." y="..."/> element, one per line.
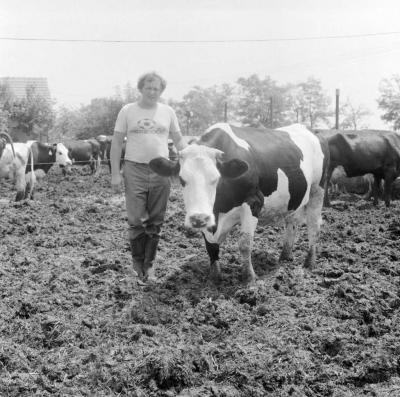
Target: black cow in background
<point x="85" y="152"/>
<point x="105" y="144"/>
<point x="365" y="151"/>
<point x="108" y="158"/>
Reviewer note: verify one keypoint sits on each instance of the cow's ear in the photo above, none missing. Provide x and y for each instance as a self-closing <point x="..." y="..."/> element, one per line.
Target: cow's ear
<point x="232" y="168"/>
<point x="165" y="167"/>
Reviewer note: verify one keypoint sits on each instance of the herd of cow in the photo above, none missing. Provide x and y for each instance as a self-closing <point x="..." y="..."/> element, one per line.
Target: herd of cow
<point x="238" y="175"/>
<point x="17" y="159"/>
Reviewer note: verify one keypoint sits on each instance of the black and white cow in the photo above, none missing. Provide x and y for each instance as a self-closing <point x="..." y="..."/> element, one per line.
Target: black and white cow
<point x="239" y="175"/>
<point x="45" y="156"/>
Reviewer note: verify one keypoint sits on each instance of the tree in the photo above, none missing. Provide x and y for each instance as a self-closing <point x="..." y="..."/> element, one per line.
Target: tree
<point x="69" y="123"/>
<point x="254" y="103"/>
<point x="312" y="104"/>
<point x="99" y="117"/>
<point x="389" y="100"/>
<point x="202" y="107"/>
<point x="352" y="116"/>
<point x="6" y="102"/>
<point x="131" y="94"/>
<point x="28" y="118"/>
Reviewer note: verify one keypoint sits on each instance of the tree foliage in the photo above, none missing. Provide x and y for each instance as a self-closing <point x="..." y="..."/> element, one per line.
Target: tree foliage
<point x="68" y="124"/>
<point x="254" y="102"/>
<point x="247" y="102"/>
<point x="352" y="116"/>
<point x="99" y="117"/>
<point x="31" y="116"/>
<point x="202" y="107"/>
<point x="389" y="100"/>
<point x="311" y="103"/>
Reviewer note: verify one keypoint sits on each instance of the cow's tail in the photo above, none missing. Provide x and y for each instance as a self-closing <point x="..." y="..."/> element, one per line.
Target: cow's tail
<point x="9" y="140"/>
<point x="31" y="177"/>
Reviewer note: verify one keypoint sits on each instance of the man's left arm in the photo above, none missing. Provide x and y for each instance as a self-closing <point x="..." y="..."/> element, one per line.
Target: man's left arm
<point x="178" y="140"/>
<point x="176" y="134"/>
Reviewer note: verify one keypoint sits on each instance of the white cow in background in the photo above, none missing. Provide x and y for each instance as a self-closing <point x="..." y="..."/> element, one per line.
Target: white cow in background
<point x="13" y="167"/>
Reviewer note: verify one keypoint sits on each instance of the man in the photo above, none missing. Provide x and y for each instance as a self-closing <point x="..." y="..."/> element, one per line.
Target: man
<point x="146" y="124"/>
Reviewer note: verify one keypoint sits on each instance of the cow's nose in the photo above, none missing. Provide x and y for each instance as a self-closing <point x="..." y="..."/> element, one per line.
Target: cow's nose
<point x="199" y="220"/>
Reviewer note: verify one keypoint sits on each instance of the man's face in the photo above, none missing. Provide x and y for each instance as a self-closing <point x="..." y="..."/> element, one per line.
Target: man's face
<point x="151" y="91"/>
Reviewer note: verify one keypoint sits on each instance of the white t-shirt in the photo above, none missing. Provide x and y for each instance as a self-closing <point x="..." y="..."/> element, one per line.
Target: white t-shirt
<point x="147" y="131"/>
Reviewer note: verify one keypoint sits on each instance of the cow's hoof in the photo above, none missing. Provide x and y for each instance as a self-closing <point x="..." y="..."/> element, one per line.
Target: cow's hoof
<point x="249" y="278"/>
<point x="215" y="273"/>
<point x="286" y="256"/>
<point x="309" y="262"/>
<point x="215" y="278"/>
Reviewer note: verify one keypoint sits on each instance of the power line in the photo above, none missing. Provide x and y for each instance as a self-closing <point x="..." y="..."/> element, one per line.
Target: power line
<point x="277" y="39"/>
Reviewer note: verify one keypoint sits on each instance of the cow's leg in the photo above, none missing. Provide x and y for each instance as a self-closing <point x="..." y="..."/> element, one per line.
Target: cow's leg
<point x="326" y="184"/>
<point x="213" y="253"/>
<point x="390" y="176"/>
<point x="290" y="237"/>
<point x="226" y="221"/>
<point x="367" y="196"/>
<point x="92" y="163"/>
<point x="314" y="220"/>
<point x="248" y="225"/>
<point x="30" y="185"/>
<point x="20" y="183"/>
<point x="97" y="164"/>
<point x="376" y="187"/>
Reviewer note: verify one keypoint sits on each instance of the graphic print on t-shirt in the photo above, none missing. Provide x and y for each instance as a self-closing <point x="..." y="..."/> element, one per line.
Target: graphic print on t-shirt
<point x="148" y="126"/>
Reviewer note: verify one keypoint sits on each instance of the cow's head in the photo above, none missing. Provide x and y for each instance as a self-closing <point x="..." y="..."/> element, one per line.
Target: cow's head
<point x="199" y="169"/>
<point x="62" y="157"/>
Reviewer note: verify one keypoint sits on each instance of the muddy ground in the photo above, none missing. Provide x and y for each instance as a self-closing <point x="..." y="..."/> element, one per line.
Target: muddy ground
<point x="74" y="321"/>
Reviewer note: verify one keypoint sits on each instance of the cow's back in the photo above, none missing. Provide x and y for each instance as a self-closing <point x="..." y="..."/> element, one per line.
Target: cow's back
<point x="362" y="152"/>
<point x="283" y="164"/>
<point x="79" y="150"/>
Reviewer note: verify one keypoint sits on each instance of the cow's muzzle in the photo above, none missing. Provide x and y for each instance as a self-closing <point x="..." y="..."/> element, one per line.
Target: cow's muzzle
<point x="198" y="221"/>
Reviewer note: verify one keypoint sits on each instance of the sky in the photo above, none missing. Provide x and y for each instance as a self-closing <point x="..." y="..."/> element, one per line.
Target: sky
<point x="85" y="48"/>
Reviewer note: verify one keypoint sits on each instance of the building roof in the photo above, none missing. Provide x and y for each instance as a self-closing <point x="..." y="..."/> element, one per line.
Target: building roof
<point x="18" y="85"/>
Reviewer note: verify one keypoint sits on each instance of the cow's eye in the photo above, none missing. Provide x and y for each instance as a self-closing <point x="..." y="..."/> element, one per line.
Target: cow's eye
<point x="183" y="183"/>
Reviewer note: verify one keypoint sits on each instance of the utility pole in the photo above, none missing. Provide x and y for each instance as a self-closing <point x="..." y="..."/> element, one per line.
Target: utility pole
<point x="271" y="118"/>
<point x="337" y="109"/>
<point x="189" y="115"/>
<point x="226" y="112"/>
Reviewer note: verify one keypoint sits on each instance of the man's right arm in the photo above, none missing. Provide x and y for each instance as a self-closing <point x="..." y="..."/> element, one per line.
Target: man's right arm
<point x="115" y="159"/>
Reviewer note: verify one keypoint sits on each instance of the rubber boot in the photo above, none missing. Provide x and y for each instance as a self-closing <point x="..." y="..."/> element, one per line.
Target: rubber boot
<point x="150" y="255"/>
<point x="138" y="246"/>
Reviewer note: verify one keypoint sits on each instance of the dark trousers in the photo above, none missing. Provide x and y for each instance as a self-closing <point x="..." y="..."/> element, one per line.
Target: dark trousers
<point x="146" y="197"/>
